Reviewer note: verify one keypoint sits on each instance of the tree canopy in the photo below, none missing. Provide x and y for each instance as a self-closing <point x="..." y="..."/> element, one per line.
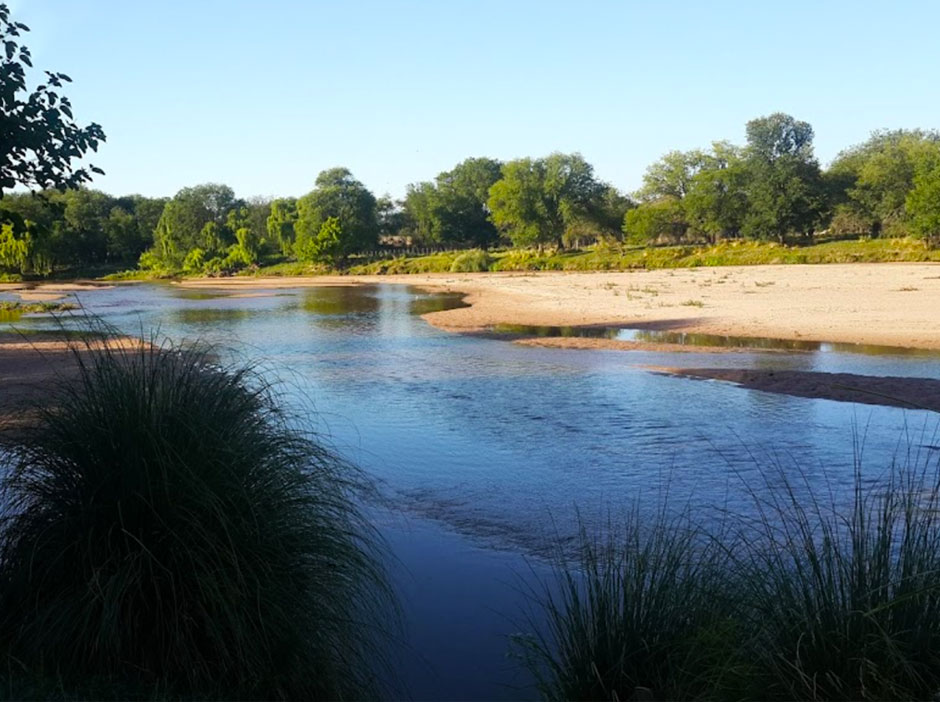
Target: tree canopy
<point x="39" y="139"/>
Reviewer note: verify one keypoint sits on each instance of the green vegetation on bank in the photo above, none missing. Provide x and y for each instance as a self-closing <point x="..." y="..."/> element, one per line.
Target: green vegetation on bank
<point x="35" y="307"/>
<point x="602" y="258"/>
<point x="806" y="600"/>
<point x="169" y="531"/>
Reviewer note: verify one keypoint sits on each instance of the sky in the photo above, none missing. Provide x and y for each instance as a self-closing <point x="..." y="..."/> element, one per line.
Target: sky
<point x="262" y="96"/>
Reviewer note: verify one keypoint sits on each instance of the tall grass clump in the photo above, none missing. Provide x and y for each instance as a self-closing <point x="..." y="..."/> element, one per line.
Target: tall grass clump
<point x="639" y="614"/>
<point x="802" y="597"/>
<point x="472" y="261"/>
<point x="844" y="599"/>
<point x="167" y="528"/>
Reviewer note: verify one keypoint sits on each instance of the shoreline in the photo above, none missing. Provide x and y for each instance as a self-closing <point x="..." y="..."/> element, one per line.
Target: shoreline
<point x="884" y="304"/>
<point x="881" y="304"/>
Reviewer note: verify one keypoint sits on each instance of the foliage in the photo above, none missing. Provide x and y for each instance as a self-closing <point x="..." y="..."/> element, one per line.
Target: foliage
<point x="734" y="252"/>
<point x="195" y="217"/>
<point x="472" y="261"/>
<point x="799" y="599"/>
<point x="340" y="196"/>
<point x="922" y="203"/>
<point x="168" y="527"/>
<point x="280" y="223"/>
<point x="453" y="209"/>
<point x="640" y="614"/>
<point x="538" y="200"/>
<point x="656" y="221"/>
<point x="40" y="138"/>
<point x="785" y="190"/>
<point x="877" y="176"/>
<point x="325" y="247"/>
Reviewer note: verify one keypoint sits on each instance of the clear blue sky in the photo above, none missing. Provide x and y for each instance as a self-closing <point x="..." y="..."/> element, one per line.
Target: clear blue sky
<point x="264" y="95"/>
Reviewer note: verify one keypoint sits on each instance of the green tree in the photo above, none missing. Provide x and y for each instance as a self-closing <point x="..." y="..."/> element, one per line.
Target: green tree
<point x="538" y="200"/>
<point x="419" y="210"/>
<point x="922" y="204"/>
<point x="715" y="202"/>
<point x="339" y="195"/>
<point x="183" y="224"/>
<point x="280" y="223"/>
<point x="671" y="176"/>
<point x="785" y="192"/>
<point x="655" y="221"/>
<point x="326" y="246"/>
<point x="39" y="139"/>
<point x="873" y="180"/>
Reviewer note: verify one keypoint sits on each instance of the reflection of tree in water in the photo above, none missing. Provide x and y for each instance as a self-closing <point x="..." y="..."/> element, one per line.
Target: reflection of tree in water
<point x="340" y="300"/>
<point x="211" y="315"/>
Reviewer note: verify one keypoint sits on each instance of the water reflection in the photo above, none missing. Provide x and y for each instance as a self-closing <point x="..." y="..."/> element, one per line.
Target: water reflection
<point x="706" y="340"/>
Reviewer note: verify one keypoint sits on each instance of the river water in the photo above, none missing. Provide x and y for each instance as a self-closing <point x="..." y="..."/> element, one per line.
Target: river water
<point x="487" y="451"/>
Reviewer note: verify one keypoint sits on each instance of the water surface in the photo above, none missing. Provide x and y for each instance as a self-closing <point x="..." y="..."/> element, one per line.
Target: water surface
<point x="488" y="451"/>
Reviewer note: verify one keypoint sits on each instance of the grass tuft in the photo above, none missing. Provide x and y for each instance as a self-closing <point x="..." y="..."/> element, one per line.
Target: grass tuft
<point x="804" y="599"/>
<point x="168" y="528"/>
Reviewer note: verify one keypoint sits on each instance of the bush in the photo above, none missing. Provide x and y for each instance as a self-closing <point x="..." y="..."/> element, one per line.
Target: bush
<point x="167" y="528"/>
<point x="642" y="613"/>
<point x="472" y="261"/>
<point x="845" y="600"/>
<point x="802" y="599"/>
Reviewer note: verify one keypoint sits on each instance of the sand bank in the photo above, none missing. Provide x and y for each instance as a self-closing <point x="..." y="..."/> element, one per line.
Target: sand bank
<point x="910" y="393"/>
<point x="891" y="304"/>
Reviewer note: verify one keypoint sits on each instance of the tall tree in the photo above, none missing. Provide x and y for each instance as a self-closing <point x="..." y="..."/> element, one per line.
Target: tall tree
<point x="873" y="180"/>
<point x="785" y="190"/>
<point x="715" y="203"/>
<point x="537" y="201"/>
<point x="280" y="223"/>
<point x="338" y="194"/>
<point x="184" y="224"/>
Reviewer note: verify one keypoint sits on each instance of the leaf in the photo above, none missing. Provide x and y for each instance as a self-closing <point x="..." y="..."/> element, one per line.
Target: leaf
<point x="10" y="47"/>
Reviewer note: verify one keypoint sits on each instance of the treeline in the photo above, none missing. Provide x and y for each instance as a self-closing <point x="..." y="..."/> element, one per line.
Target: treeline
<point x="771" y="188"/>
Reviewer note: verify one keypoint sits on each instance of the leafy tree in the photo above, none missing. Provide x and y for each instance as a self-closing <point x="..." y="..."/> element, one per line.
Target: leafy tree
<point x="671" y="176"/>
<point x="339" y="195"/>
<point x="419" y="210"/>
<point x="461" y="209"/>
<point x="183" y="224"/>
<point x="872" y="180"/>
<point x="715" y="203"/>
<point x="280" y="223"/>
<point x="922" y="203"/>
<point x="324" y="247"/>
<point x="785" y="191"/>
<point x="453" y="209"/>
<point x="537" y="201"/>
<point x="14" y="250"/>
<point x="391" y="217"/>
<point x="39" y="139"/>
<point x="654" y="221"/>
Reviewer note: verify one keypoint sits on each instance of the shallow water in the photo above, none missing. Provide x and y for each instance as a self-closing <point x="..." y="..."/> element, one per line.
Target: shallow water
<point x="488" y="451"/>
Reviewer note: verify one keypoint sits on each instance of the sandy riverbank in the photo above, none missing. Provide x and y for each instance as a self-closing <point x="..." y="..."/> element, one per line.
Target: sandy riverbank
<point x="891" y="304"/>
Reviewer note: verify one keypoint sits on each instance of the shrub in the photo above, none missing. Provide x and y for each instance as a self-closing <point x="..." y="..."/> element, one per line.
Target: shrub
<point x="845" y="599"/>
<point x="472" y="261"/>
<point x="168" y="528"/>
<point x="641" y="613"/>
<point x="801" y="599"/>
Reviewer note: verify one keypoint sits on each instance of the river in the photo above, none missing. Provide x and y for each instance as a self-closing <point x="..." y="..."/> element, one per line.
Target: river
<point x="488" y="452"/>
